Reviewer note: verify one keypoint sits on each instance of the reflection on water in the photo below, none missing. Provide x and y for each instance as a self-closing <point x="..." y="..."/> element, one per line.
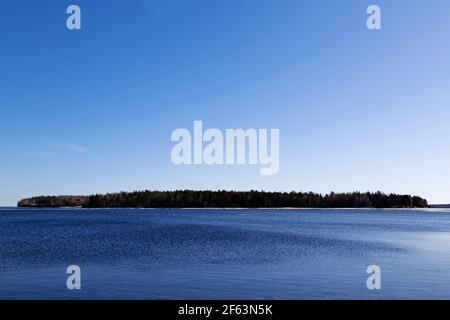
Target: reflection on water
<point x="224" y="254"/>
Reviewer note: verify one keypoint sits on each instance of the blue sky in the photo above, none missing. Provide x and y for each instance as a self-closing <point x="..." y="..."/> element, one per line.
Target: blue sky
<point x="92" y="110"/>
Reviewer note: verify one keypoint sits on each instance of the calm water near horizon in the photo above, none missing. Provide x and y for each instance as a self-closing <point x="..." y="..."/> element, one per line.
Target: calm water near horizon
<point x="224" y="254"/>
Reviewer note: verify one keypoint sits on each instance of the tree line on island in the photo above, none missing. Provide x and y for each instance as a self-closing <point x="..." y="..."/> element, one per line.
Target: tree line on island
<point x="228" y="199"/>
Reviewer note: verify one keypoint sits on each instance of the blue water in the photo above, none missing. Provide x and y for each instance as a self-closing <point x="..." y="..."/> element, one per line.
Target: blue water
<point x="224" y="254"/>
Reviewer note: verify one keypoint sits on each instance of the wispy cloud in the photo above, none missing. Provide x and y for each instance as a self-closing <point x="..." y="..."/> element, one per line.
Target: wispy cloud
<point x="72" y="147"/>
<point x="59" y="150"/>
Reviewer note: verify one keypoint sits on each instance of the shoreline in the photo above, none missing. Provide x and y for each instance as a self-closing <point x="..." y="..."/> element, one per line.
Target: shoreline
<point x="227" y="208"/>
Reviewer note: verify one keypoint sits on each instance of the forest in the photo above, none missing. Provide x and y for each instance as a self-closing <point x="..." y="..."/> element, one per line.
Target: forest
<point x="228" y="199"/>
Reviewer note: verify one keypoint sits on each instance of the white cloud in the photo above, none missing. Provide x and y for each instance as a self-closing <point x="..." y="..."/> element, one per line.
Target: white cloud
<point x="72" y="147"/>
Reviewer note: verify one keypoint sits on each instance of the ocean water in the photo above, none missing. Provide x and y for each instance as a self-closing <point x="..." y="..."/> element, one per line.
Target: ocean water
<point x="224" y="254"/>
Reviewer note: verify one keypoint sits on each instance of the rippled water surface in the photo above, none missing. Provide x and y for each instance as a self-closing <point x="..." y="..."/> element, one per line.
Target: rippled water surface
<point x="224" y="254"/>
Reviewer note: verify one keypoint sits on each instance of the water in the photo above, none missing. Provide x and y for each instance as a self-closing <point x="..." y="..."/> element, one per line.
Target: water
<point x="224" y="254"/>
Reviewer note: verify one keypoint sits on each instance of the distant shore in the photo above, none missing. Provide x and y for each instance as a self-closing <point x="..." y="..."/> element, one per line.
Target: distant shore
<point x="229" y="200"/>
<point x="237" y="209"/>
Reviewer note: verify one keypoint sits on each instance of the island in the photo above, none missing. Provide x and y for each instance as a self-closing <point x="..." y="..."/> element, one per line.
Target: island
<point x="227" y="199"/>
<point x="439" y="206"/>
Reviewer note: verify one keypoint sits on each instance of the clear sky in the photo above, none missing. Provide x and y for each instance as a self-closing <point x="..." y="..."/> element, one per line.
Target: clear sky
<point x="92" y="110"/>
